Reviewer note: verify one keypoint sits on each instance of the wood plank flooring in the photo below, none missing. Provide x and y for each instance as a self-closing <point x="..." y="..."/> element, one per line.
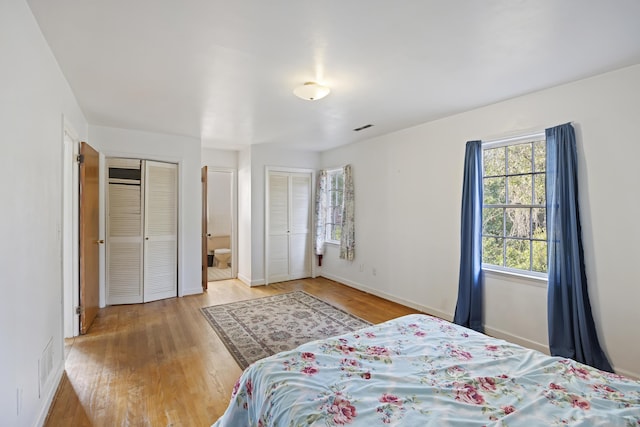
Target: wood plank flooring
<point x="161" y="364"/>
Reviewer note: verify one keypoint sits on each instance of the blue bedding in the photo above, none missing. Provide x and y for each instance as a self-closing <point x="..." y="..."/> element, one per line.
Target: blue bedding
<point x="418" y="370"/>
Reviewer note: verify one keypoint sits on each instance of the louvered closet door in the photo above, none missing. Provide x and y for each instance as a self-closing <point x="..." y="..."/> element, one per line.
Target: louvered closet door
<point x="161" y="231"/>
<point x="124" y="237"/>
<point x="278" y="250"/>
<point x="299" y="226"/>
<point x="289" y="219"/>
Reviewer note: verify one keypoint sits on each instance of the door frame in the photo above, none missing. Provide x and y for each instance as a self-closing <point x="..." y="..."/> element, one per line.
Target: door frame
<point x="204" y="179"/>
<point x="234" y="214"/>
<point x="312" y="219"/>
<point x="69" y="231"/>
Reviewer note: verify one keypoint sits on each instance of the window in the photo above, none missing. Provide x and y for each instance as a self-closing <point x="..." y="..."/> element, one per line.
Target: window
<point x="514" y="220"/>
<point x="335" y="189"/>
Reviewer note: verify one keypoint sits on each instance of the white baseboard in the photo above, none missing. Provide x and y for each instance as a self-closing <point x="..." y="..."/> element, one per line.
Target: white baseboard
<point x="516" y="339"/>
<point x="543" y="348"/>
<point x="191" y="291"/>
<point x="494" y="332"/>
<point x="247" y="281"/>
<point x="50" y="394"/>
<point x="627" y="373"/>
<point x="441" y="314"/>
<point x="244" y="279"/>
<point x="423" y="308"/>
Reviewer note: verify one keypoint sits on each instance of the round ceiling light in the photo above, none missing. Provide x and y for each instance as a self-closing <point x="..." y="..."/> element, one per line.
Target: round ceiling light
<point x="311" y="91"/>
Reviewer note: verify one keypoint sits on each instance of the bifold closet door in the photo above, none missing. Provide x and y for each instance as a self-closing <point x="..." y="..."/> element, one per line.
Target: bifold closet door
<point x="278" y="228"/>
<point x="300" y="227"/>
<point x="124" y="232"/>
<point x="160" y="231"/>
<point x="288" y="228"/>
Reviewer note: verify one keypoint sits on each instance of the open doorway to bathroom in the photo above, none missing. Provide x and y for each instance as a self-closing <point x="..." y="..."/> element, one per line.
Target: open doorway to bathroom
<point x="220" y="225"/>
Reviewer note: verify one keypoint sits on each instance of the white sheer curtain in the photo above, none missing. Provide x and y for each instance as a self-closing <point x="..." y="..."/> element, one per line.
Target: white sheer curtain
<point x="321" y="212"/>
<point x="347" y="239"/>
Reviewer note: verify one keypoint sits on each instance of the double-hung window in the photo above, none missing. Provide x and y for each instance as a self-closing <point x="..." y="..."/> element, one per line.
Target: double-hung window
<point x="335" y="188"/>
<point x="514" y="220"/>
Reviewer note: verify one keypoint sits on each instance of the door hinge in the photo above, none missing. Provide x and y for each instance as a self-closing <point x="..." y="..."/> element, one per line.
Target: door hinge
<point x="78" y="310"/>
<point x="80" y="158"/>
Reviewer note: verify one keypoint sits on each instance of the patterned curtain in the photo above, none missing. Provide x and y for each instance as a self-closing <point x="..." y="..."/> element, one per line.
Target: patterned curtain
<point x="348" y="237"/>
<point x="321" y="211"/>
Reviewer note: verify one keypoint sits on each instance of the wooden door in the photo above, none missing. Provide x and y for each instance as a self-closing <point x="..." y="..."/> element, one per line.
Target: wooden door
<point x="89" y="236"/>
<point x="160" y="271"/>
<point x="205" y="262"/>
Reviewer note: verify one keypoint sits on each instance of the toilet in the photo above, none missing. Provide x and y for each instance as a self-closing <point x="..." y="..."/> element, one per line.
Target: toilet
<point x="218" y="246"/>
<point x="222" y="256"/>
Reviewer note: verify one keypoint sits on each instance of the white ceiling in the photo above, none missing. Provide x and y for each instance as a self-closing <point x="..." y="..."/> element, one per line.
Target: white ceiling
<point x="223" y="70"/>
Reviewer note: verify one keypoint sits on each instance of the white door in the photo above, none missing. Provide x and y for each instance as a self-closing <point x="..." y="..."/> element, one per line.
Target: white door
<point x="142" y="260"/>
<point x="278" y="228"/>
<point x="288" y="225"/>
<point x="124" y="232"/>
<point x="160" y="231"/>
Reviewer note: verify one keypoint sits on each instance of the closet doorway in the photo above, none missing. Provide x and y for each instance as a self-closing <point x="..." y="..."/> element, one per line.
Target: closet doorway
<point x="142" y="231"/>
<point x="220" y="224"/>
<point x="288" y="224"/>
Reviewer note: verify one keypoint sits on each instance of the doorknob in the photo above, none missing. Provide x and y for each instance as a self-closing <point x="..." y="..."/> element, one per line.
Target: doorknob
<point x="100" y="242"/>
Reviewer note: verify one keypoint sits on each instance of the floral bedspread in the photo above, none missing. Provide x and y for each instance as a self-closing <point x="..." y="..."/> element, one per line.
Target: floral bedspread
<point x="418" y="370"/>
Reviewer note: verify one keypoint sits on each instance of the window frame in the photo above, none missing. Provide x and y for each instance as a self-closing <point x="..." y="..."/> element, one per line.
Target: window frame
<point x="331" y="206"/>
<point x="506" y="142"/>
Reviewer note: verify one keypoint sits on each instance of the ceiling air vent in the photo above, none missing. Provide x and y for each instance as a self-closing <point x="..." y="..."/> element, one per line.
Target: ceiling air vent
<point x="363" y="127"/>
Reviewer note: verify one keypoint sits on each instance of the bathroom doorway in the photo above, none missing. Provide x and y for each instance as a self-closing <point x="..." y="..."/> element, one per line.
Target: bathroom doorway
<point x="221" y="236"/>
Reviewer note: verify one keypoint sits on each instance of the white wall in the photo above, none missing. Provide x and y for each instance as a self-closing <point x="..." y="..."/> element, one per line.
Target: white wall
<point x="220" y="183"/>
<point x="244" y="216"/>
<point x="215" y="158"/>
<point x="408" y="189"/>
<point x="219" y="199"/>
<point x="35" y="97"/>
<point x="113" y="142"/>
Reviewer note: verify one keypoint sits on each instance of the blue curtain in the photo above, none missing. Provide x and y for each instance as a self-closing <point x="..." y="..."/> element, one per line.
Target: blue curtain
<point x="572" y="331"/>
<point x="469" y="305"/>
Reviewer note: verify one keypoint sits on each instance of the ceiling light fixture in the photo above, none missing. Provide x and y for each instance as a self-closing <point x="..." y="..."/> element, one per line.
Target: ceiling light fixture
<point x="311" y="91"/>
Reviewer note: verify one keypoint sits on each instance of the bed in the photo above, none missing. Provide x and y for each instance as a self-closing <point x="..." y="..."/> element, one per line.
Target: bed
<point x="419" y="370"/>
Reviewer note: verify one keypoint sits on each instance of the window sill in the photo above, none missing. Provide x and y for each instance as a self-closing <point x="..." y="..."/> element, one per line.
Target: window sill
<point x="332" y="242"/>
<point x="523" y="278"/>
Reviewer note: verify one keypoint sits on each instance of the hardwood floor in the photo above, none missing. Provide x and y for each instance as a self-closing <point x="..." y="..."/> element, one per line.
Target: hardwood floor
<point x="161" y="364"/>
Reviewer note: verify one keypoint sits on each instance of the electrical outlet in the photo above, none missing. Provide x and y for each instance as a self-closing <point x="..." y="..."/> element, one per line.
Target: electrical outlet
<point x="373" y="271"/>
<point x="361" y="268"/>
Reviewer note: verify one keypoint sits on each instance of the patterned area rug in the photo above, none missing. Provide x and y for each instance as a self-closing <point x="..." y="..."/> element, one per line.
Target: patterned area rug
<point x="260" y="327"/>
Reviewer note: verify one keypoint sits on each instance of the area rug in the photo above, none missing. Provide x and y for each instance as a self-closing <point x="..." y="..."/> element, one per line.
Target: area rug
<point x="260" y="327"/>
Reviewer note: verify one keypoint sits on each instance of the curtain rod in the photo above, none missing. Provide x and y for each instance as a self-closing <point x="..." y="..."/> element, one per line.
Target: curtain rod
<point x="506" y="141"/>
<point x="335" y="168"/>
<point x="523" y="135"/>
